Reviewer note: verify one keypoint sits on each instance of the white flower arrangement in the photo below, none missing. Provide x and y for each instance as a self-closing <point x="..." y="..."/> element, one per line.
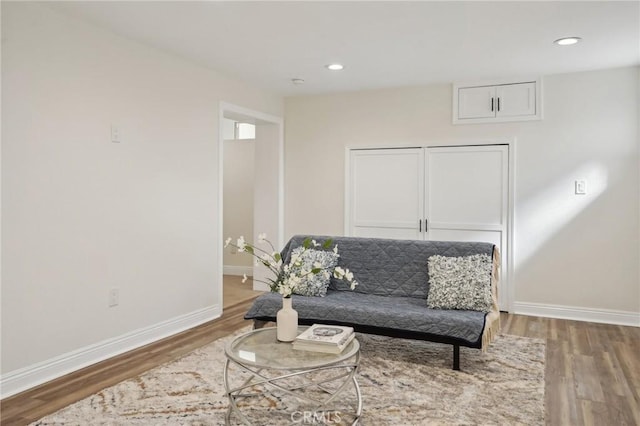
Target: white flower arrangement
<point x="288" y="276"/>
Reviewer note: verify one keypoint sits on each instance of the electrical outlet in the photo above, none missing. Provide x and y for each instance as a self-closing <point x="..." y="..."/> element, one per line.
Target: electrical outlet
<point x="114" y="297"/>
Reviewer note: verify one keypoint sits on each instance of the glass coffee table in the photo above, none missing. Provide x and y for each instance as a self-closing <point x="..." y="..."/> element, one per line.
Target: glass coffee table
<point x="265" y="372"/>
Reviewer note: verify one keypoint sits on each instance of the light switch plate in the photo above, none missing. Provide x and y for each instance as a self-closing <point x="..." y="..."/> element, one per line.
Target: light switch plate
<point x="581" y="187"/>
<point x="115" y="134"/>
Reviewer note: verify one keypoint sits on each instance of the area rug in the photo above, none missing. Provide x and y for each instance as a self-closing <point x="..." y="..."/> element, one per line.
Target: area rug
<point x="403" y="382"/>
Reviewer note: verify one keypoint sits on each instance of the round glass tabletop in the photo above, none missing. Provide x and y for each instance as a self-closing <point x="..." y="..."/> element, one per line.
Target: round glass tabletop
<point x="260" y="348"/>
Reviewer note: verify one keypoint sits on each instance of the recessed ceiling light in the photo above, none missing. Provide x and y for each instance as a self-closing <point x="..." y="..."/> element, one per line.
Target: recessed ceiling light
<point x="335" y="67"/>
<point x="567" y="41"/>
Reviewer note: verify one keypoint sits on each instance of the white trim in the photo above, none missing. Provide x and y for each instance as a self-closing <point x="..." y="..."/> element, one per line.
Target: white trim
<point x="347" y="191"/>
<point x="36" y="374"/>
<point x="281" y="194"/>
<point x="498" y="81"/>
<point x="249" y="113"/>
<point x="237" y="270"/>
<point x="439" y="143"/>
<point x="511" y="288"/>
<point x="219" y="260"/>
<point x="576" y="313"/>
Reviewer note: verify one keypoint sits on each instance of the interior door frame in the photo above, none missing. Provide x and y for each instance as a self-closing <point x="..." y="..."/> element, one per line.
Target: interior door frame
<point x="228" y="110"/>
<point x="511" y="217"/>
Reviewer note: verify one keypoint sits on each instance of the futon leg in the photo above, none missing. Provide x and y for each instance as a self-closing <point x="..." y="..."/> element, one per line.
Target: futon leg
<point x="258" y="324"/>
<point x="456" y="357"/>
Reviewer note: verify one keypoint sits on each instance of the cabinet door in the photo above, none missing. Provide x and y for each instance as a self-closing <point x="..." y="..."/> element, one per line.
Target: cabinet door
<point x="386" y="193"/>
<point x="476" y="102"/>
<point x="516" y="100"/>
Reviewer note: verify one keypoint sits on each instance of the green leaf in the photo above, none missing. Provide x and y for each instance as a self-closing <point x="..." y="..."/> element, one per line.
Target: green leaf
<point x="277" y="257"/>
<point x="316" y="270"/>
<point x="306" y="243"/>
<point x="248" y="249"/>
<point x="327" y="244"/>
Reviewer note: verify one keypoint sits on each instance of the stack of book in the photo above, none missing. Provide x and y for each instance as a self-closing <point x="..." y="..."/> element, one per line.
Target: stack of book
<point x="324" y="338"/>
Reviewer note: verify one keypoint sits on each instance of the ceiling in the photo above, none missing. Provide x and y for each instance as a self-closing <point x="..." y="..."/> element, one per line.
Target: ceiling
<point x="381" y="44"/>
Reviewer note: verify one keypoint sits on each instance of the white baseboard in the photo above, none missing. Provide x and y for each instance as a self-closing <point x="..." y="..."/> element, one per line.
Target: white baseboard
<point x="25" y="378"/>
<point x="606" y="316"/>
<point x="237" y="270"/>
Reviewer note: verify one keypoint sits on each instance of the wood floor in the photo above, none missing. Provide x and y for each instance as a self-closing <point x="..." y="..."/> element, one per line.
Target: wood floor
<point x="592" y="370"/>
<point x="235" y="291"/>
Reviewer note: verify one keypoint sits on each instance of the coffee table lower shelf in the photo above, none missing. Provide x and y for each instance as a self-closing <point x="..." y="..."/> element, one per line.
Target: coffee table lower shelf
<point x="319" y="381"/>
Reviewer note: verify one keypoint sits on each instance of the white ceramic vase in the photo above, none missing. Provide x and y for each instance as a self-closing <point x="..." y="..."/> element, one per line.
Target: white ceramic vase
<point x="287" y="321"/>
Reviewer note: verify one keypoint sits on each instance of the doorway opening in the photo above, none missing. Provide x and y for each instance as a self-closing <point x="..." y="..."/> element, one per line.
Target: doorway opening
<point x="251" y="195"/>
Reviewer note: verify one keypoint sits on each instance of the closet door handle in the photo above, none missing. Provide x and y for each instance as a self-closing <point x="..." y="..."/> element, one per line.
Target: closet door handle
<point x="491" y="104"/>
<point x="498" y="104"/>
<point x="426" y="225"/>
<point x="419" y="225"/>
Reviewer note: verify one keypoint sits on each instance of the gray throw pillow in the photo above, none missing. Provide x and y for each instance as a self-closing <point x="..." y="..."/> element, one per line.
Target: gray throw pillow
<point x="460" y="283"/>
<point x="315" y="284"/>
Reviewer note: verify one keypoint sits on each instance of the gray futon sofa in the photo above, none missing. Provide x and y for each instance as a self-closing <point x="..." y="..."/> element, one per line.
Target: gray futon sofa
<point x="391" y="296"/>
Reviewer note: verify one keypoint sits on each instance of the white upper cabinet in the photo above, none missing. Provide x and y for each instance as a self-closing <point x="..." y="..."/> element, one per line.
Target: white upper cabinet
<point x="516" y="100"/>
<point x="476" y="102"/>
<point x="486" y="103"/>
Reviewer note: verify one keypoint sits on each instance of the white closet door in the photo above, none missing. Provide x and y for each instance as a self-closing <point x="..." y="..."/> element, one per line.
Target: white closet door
<point x="386" y="193"/>
<point x="467" y="197"/>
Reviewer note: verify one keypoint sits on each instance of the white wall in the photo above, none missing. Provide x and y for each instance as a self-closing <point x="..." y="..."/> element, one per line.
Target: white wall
<point x="268" y="186"/>
<point x="238" y="199"/>
<point x="571" y="251"/>
<point x="81" y="214"/>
